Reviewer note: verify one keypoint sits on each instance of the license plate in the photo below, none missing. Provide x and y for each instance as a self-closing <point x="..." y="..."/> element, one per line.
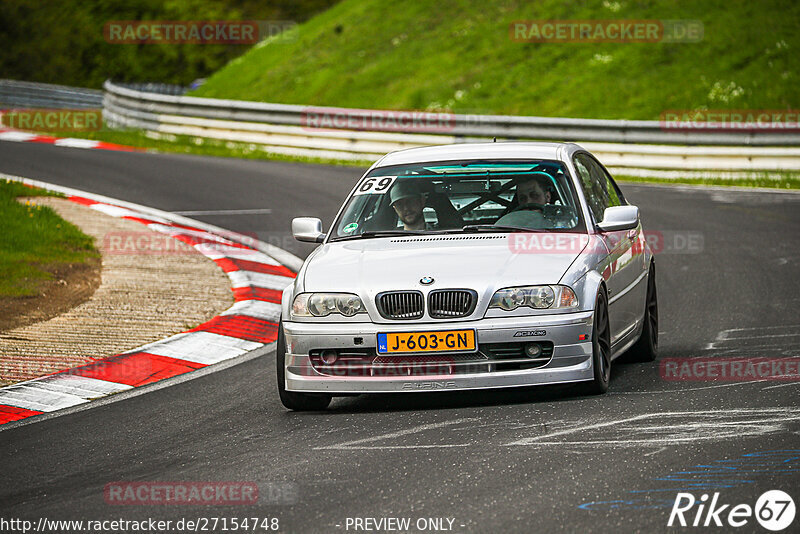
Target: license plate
<point x="447" y="341"/>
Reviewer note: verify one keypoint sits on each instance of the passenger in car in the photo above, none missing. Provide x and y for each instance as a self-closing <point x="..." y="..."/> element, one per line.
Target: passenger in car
<point x="409" y="204"/>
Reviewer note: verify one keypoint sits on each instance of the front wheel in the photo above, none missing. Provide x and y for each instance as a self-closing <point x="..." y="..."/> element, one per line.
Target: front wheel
<point x="646" y="349"/>
<point x="601" y="349"/>
<point x="299" y="402"/>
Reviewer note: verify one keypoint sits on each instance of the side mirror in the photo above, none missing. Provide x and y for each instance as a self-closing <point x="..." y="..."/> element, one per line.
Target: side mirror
<point x="308" y="229"/>
<point x="619" y="218"/>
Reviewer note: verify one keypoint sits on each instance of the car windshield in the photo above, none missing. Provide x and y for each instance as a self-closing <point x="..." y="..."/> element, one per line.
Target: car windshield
<point x="461" y="196"/>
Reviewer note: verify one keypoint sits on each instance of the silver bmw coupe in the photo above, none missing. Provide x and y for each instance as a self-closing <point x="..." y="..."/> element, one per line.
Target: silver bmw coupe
<point x="469" y="266"/>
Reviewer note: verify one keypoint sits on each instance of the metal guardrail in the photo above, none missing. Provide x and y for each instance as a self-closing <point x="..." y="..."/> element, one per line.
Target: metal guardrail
<point x="16" y="94"/>
<point x="643" y="148"/>
<point x="158" y="88"/>
<point x="508" y="127"/>
<point x="285" y="129"/>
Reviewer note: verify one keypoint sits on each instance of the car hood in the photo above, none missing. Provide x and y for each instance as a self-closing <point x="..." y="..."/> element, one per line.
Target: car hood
<point x="483" y="262"/>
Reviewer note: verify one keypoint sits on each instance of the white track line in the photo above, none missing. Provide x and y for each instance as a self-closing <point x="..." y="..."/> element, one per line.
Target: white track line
<point x="226" y="212"/>
<point x="780" y="415"/>
<point x="781" y="385"/>
<point x="355" y="444"/>
<point x="684" y="390"/>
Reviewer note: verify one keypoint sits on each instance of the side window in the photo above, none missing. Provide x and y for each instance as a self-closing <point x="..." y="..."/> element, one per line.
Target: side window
<point x="600" y="189"/>
<point x="592" y="185"/>
<point x="614" y="196"/>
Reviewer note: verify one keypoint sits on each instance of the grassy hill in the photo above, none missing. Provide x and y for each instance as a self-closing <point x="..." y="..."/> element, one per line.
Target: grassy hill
<point x="458" y="56"/>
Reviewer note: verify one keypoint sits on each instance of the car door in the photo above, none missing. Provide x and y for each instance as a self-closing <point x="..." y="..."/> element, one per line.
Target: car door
<point x="621" y="268"/>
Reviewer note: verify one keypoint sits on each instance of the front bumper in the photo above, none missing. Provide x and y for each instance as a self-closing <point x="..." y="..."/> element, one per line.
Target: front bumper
<point x="571" y="359"/>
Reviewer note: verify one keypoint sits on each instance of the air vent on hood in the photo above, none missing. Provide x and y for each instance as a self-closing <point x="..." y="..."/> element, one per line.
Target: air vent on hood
<point x="447" y="238"/>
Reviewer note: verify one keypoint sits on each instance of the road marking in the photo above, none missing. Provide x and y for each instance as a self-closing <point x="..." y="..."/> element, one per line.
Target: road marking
<point x="782" y="352"/>
<point x="773" y="327"/>
<point x="792" y="330"/>
<point x="711" y="425"/>
<point x="768" y="336"/>
<point x="355" y="444"/>
<point x="662" y="449"/>
<point x="531" y="440"/>
<point x="225" y="212"/>
<point x="781" y="386"/>
<point x="680" y="390"/>
<point x="392" y="447"/>
<point x="742" y="348"/>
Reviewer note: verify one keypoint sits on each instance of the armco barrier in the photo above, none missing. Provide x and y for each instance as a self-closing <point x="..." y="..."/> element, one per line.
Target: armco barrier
<point x="283" y="128"/>
<point x="15" y="94"/>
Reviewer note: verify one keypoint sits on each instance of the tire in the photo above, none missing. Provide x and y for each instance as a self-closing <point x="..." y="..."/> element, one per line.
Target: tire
<point x="601" y="349"/>
<point x="646" y="348"/>
<point x="299" y="402"/>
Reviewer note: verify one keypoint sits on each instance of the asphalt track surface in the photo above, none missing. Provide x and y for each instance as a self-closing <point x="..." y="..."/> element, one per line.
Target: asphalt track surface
<point x="522" y="460"/>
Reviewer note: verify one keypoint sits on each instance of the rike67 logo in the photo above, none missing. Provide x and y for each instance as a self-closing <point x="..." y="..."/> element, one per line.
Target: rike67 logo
<point x="774" y="510"/>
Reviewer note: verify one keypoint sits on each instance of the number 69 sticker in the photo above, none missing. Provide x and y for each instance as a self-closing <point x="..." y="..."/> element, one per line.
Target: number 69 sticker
<point x="375" y="186"/>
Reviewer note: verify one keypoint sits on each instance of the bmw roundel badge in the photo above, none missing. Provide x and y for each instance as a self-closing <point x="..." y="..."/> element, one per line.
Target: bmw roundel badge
<point x="426" y="280"/>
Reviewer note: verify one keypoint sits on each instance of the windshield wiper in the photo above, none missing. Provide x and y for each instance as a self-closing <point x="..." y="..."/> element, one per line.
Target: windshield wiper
<point x="498" y="228"/>
<point x="381" y="233"/>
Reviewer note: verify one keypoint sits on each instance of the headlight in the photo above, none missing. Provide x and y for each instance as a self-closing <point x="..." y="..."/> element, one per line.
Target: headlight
<point x="537" y="297"/>
<point x="324" y="304"/>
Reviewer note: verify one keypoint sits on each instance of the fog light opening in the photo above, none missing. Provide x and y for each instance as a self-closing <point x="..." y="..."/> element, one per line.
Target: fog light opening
<point x="329" y="357"/>
<point x="533" y="350"/>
